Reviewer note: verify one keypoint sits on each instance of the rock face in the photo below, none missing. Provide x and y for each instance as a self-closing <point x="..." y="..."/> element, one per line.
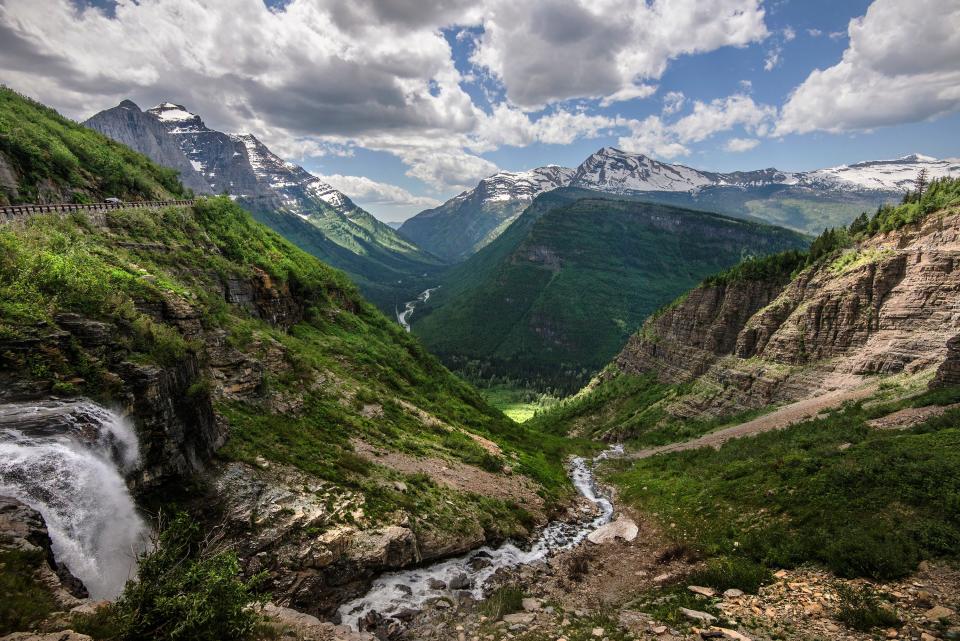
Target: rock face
<point x="23" y="528"/>
<point x="885" y="307"/>
<point x="623" y="528"/>
<point x="142" y="132"/>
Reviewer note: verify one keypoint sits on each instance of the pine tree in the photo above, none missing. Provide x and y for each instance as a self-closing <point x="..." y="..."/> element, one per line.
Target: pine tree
<point x="920" y="183"/>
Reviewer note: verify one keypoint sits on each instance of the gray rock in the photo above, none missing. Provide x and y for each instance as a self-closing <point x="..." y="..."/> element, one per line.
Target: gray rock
<point x="698" y="616"/>
<point x="460" y="582"/>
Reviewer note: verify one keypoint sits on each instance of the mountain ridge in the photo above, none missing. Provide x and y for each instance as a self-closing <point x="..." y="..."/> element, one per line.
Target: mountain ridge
<point x="316" y="216"/>
<point x="805" y="201"/>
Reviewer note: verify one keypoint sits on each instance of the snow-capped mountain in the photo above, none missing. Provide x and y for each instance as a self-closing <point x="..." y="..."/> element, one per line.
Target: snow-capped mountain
<point x="281" y="194"/>
<point x="897" y="175"/>
<point x="805" y="201"/>
<point x="521" y="185"/>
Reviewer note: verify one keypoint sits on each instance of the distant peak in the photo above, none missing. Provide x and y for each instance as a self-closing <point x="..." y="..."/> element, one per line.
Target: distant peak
<point x="917" y="158"/>
<point x="129" y="104"/>
<point x="172" y="112"/>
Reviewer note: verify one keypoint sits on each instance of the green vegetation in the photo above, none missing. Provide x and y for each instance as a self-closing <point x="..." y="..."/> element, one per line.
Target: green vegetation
<point x="519" y="404"/>
<point x="350" y="372"/>
<point x="861" y="608"/>
<point x="57" y="160"/>
<point x="779" y="267"/>
<point x="505" y="600"/>
<point x="939" y="194"/>
<point x="663" y="604"/>
<point x="556" y="296"/>
<point x="630" y="408"/>
<point x="25" y="600"/>
<point x="732" y="572"/>
<point x="188" y="587"/>
<point x="830" y="490"/>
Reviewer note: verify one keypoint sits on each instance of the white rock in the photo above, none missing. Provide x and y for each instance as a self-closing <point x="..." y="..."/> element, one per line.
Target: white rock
<point x="623" y="528"/>
<point x="697" y="615"/>
<point x="702" y="591"/>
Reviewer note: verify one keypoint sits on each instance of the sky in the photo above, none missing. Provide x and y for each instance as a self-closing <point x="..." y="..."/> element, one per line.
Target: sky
<point x="402" y="104"/>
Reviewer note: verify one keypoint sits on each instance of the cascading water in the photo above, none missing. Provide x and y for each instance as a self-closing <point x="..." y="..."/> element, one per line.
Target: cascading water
<point x="394" y="592"/>
<point x="66" y="460"/>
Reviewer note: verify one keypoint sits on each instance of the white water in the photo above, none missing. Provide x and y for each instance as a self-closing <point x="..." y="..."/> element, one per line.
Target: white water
<point x="66" y="460"/>
<point x="387" y="597"/>
<point x="404" y="317"/>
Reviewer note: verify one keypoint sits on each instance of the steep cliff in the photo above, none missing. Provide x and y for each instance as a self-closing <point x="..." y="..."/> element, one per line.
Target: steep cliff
<point x="745" y="340"/>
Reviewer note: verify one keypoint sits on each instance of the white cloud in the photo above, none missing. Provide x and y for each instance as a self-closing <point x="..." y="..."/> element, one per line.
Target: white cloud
<point x="738" y="145"/>
<point x="367" y="191"/>
<point x="673" y="102"/>
<point x="653" y="137"/>
<point x="629" y="93"/>
<point x="551" y="50"/>
<point x="723" y="114"/>
<point x="746" y="86"/>
<point x="772" y="59"/>
<point x="900" y="66"/>
<point x="814" y="33"/>
<point x="789" y="34"/>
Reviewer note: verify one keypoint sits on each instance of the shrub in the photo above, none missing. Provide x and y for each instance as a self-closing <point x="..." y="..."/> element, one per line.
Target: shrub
<point x="724" y="573"/>
<point x="188" y="588"/>
<point x="505" y="600"/>
<point x="24" y="600"/>
<point x="861" y="609"/>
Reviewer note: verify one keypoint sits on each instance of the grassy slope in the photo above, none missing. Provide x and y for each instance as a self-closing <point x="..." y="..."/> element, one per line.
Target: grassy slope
<point x="616" y="265"/>
<point x="388" y="272"/>
<point x="63" y="264"/>
<point x="862" y="501"/>
<point x="55" y="160"/>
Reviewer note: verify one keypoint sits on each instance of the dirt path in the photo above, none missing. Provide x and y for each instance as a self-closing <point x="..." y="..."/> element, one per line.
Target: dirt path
<point x="776" y="420"/>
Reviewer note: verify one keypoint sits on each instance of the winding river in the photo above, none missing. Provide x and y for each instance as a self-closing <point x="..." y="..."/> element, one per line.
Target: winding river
<point x="395" y="592"/>
<point x="404" y="317"/>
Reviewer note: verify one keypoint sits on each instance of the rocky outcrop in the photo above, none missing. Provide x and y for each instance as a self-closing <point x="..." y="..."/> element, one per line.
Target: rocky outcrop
<point x="683" y="341"/>
<point x="23" y="529"/>
<point x="884" y="307"/>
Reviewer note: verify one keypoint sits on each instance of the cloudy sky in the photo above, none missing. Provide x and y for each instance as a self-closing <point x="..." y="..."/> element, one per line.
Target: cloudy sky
<point x="404" y="103"/>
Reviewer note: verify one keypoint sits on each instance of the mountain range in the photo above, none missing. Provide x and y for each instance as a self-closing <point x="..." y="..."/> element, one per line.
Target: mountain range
<point x="804" y="201"/>
<point x="311" y="213"/>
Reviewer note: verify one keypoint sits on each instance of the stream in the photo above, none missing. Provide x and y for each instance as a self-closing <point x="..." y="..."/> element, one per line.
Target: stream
<point x="66" y="459"/>
<point x="404" y="317"/>
<point x="394" y="592"/>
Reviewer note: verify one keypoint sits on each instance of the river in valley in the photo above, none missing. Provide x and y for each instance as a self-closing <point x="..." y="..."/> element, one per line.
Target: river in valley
<point x="394" y="592"/>
<point x="404" y="317"/>
<point x="66" y="459"/>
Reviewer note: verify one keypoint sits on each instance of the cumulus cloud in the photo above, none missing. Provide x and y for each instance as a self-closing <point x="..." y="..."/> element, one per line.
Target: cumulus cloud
<point x="673" y="102"/>
<point x="554" y="50"/>
<point x="367" y="191"/>
<point x="325" y="77"/>
<point x="653" y="135"/>
<point x="738" y="145"/>
<point x="900" y="66"/>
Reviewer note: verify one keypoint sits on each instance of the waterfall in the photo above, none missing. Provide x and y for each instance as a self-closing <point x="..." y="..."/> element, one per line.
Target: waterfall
<point x="67" y="460"/>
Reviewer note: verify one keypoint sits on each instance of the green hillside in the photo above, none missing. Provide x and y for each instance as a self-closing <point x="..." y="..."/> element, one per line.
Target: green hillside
<point x="560" y="291"/>
<point x="388" y="270"/>
<point x="45" y="157"/>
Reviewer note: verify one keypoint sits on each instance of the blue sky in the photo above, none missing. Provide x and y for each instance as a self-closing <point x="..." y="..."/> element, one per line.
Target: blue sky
<point x="403" y="104"/>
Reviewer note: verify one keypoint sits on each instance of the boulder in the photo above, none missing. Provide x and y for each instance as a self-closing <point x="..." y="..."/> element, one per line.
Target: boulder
<point x="623" y="528"/>
<point x="702" y="591"/>
<point x="698" y="616"/>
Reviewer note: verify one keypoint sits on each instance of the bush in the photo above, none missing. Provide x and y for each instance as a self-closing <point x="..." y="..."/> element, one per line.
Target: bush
<point x="505" y="600"/>
<point x="724" y="573"/>
<point x="24" y="600"/>
<point x="861" y="609"/>
<point x="188" y="588"/>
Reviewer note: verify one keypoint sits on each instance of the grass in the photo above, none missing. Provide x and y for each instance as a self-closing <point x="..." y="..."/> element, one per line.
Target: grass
<point x="663" y="605"/>
<point x="24" y="601"/>
<point x="732" y="572"/>
<point x="57" y="160"/>
<point x="872" y="508"/>
<point x="519" y="404"/>
<point x="505" y="600"/>
<point x="340" y="357"/>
